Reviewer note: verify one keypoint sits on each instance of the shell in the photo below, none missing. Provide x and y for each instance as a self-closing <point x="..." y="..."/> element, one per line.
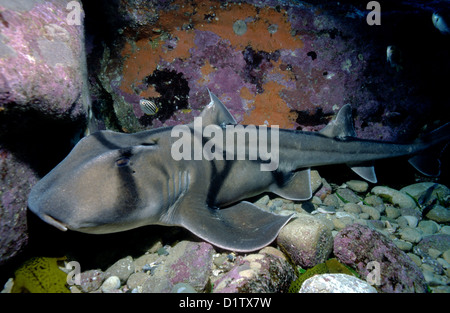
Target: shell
<point x="148" y="107"/>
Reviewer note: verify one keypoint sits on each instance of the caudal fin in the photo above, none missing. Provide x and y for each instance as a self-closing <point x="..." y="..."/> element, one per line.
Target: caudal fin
<point x="428" y="162"/>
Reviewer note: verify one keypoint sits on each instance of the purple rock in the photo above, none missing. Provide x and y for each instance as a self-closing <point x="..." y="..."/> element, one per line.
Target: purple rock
<point x="16" y="180"/>
<point x="357" y="246"/>
<point x="256" y="273"/>
<point x="42" y="74"/>
<point x="187" y="262"/>
<point x="42" y="59"/>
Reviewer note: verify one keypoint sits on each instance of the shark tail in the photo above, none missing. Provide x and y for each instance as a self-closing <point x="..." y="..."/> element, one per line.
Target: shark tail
<point x="428" y="161"/>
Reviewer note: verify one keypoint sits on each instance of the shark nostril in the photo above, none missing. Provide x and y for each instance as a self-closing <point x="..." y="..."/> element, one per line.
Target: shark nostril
<point x="54" y="222"/>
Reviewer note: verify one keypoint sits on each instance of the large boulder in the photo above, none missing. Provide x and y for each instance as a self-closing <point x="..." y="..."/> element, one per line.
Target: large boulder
<point x="377" y="258"/>
<point x="44" y="97"/>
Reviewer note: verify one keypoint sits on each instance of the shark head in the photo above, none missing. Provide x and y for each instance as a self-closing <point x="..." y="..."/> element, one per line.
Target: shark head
<point x="101" y="186"/>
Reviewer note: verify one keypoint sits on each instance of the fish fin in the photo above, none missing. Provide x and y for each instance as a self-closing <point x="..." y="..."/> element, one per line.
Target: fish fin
<point x="216" y="113"/>
<point x="366" y="172"/>
<point x="296" y="187"/>
<point x="341" y="126"/>
<point x="428" y="162"/>
<point x="242" y="227"/>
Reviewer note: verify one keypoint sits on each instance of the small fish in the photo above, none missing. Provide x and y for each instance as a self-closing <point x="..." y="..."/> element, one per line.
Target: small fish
<point x="148" y="107"/>
<point x="426" y="197"/>
<point x="440" y="24"/>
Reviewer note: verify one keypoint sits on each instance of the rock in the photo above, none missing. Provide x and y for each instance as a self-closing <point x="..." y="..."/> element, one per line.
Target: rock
<point x="445" y="230"/>
<point x="410" y="234"/>
<point x="273" y="251"/>
<point x="437" y="241"/>
<point x="392" y="212"/>
<point x="256" y="273"/>
<point x="419" y="189"/>
<point x="324" y="190"/>
<point x="373" y="213"/>
<point x="15" y="184"/>
<point x="352" y="208"/>
<point x="428" y="227"/>
<point x="439" y="214"/>
<point x="331" y="200"/>
<point x="374" y="201"/>
<point x="416" y="259"/>
<point x="347" y="195"/>
<point x="122" y="269"/>
<point x="403" y="245"/>
<point x="434" y="280"/>
<point x="136" y="280"/>
<point x="44" y="94"/>
<point x="358" y="246"/>
<point x="341" y="223"/>
<point x="91" y="280"/>
<point x="446" y="255"/>
<point x="183" y="288"/>
<point x="44" y="67"/>
<point x="394" y="196"/>
<point x="411" y="220"/>
<point x="306" y="240"/>
<point x="188" y="262"/>
<point x="316" y="181"/>
<point x="336" y="283"/>
<point x="110" y="284"/>
<point x="357" y="185"/>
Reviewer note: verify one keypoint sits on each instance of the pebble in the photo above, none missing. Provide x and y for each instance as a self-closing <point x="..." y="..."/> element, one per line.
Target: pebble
<point x="348" y="195"/>
<point x="91" y="280"/>
<point x="110" y="284"/>
<point x="428" y="227"/>
<point x="403" y="245"/>
<point x="307" y="240"/>
<point x="357" y="185"/>
<point x="446" y="256"/>
<point x="411" y="235"/>
<point x="419" y="189"/>
<point x="392" y="212"/>
<point x="136" y="280"/>
<point x="373" y="213"/>
<point x="439" y="214"/>
<point x="445" y="230"/>
<point x="395" y="197"/>
<point x="336" y="283"/>
<point x="352" y="208"/>
<point x="183" y="288"/>
<point x="121" y="269"/>
<point x="412" y="220"/>
<point x="374" y="201"/>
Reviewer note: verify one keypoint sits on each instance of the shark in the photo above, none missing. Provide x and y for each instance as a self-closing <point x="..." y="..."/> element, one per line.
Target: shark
<point x="112" y="181"/>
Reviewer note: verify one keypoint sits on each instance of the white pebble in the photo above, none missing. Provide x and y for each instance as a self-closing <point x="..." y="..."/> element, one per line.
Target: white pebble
<point x="110" y="284"/>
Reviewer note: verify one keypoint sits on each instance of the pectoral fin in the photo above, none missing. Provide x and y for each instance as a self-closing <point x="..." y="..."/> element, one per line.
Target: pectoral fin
<point x="242" y="227"/>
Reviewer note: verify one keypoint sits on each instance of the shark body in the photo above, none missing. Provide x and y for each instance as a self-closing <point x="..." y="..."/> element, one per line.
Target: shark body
<point x="113" y="181"/>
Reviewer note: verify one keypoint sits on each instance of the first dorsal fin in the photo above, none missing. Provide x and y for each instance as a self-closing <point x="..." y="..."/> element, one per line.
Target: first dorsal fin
<point x="341" y="126"/>
<point x="216" y="113"/>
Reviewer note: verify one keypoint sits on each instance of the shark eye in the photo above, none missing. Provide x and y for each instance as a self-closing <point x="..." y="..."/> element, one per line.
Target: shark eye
<point x="123" y="161"/>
